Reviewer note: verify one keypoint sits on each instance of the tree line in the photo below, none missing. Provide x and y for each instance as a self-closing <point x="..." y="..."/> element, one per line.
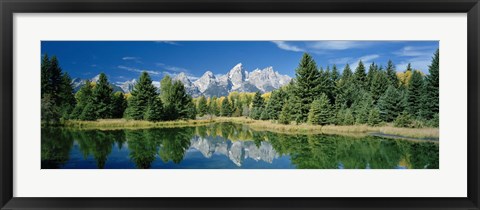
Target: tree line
<point x="97" y="100"/>
<point x="316" y="96"/>
<point x="324" y="96"/>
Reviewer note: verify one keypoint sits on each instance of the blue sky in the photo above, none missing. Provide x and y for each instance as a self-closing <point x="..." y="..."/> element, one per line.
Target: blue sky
<point x="124" y="60"/>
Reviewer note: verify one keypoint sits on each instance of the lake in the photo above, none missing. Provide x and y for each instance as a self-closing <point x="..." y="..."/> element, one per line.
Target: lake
<point x="228" y="146"/>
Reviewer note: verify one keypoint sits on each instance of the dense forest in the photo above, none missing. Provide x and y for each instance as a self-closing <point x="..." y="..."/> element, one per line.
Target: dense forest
<point x="316" y="96"/>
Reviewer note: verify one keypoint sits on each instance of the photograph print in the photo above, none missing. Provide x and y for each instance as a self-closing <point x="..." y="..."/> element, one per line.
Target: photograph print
<point x="325" y="104"/>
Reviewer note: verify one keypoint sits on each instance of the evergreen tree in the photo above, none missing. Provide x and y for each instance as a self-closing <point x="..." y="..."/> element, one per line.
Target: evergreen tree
<point x="284" y="116"/>
<point x="334" y="75"/>
<point x="378" y="85"/>
<point x="346" y="91"/>
<point x="202" y="106"/>
<point x="141" y="96"/>
<point x="374" y="117"/>
<point x="88" y="112"/>
<point x="360" y="77"/>
<point x="83" y="97"/>
<point x="257" y="106"/>
<point x="414" y="93"/>
<point x="372" y="71"/>
<point x="154" y="110"/>
<point x="348" y="118"/>
<point x="102" y="98"/>
<point x="320" y="111"/>
<point x="226" y="109"/>
<point x="388" y="104"/>
<point x="307" y="86"/>
<point x="183" y="107"/>
<point x="119" y="104"/>
<point x="66" y="96"/>
<point x="392" y="74"/>
<point x="275" y="104"/>
<point x="214" y="110"/>
<point x="430" y="95"/>
<point x="57" y="86"/>
<point x="404" y="120"/>
<point x="362" y="107"/>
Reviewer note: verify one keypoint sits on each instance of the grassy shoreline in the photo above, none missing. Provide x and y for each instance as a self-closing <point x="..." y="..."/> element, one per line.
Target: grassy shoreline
<point x="350" y="130"/>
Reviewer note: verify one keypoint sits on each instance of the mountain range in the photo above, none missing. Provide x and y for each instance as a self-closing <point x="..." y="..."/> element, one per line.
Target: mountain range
<point x="237" y="79"/>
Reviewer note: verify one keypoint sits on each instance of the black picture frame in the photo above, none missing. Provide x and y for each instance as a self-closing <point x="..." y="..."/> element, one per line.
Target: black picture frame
<point x="10" y="7"/>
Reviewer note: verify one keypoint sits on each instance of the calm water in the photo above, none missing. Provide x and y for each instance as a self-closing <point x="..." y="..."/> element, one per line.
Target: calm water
<point x="227" y="146"/>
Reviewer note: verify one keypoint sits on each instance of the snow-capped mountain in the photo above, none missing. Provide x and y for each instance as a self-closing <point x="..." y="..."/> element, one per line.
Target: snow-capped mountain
<point x="78" y="83"/>
<point x="237" y="79"/>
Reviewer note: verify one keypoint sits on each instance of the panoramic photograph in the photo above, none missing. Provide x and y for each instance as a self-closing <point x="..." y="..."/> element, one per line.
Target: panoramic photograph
<point x="325" y="104"/>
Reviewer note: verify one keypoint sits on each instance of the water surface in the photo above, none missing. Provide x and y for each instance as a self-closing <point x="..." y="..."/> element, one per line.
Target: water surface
<point x="228" y="146"/>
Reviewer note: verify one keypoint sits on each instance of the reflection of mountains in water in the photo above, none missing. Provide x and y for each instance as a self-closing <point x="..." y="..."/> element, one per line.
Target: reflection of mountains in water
<point x="236" y="151"/>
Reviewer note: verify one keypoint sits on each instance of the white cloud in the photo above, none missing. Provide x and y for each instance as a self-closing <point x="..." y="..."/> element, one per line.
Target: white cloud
<point x="416" y="51"/>
<point x="126" y="58"/>
<point x="417" y="64"/>
<point x="353" y="62"/>
<point x="338" y="61"/>
<point x="419" y="57"/>
<point x="338" y="45"/>
<point x="168" y="42"/>
<point x="152" y="72"/>
<point x="172" y="68"/>
<point x="289" y="47"/>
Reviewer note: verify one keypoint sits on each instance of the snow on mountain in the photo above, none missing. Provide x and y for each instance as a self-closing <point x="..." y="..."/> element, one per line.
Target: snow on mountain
<point x="127" y="86"/>
<point x="189" y="86"/>
<point x="237" y="79"/>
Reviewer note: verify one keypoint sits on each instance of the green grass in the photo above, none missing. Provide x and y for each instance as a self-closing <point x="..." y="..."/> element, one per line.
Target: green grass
<point x="260" y="125"/>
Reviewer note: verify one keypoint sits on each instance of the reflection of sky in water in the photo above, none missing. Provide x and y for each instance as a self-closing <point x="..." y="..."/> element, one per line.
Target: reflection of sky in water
<point x="228" y="146"/>
<point x="119" y="159"/>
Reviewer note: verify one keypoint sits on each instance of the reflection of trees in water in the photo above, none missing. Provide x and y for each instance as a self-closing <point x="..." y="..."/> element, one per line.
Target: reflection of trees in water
<point x="305" y="151"/>
<point x="169" y="143"/>
<point x="326" y="151"/>
<point x="175" y="143"/>
<point x="55" y="148"/>
<point x="97" y="143"/>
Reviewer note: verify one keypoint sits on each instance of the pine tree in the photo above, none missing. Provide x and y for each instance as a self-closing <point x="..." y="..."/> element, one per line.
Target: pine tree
<point x="83" y="97"/>
<point x="202" y="106"/>
<point x="214" y="110"/>
<point x="430" y="95"/>
<point x="374" y="117"/>
<point x="154" y="110"/>
<point x="362" y="106"/>
<point x="307" y="86"/>
<point x="360" y="77"/>
<point x="348" y="118"/>
<point x="388" y="104"/>
<point x="66" y="96"/>
<point x="378" y="85"/>
<point x="404" y="120"/>
<point x="372" y="71"/>
<point x="226" y="109"/>
<point x="392" y="74"/>
<point x="57" y="86"/>
<point x="414" y="93"/>
<point x="274" y="105"/>
<point x="320" y="111"/>
<point x="141" y="96"/>
<point x="335" y="75"/>
<point x="88" y="112"/>
<point x="119" y="104"/>
<point x="346" y="91"/>
<point x="257" y="106"/>
<point x="284" y="117"/>
<point x="183" y="107"/>
<point x="102" y="98"/>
